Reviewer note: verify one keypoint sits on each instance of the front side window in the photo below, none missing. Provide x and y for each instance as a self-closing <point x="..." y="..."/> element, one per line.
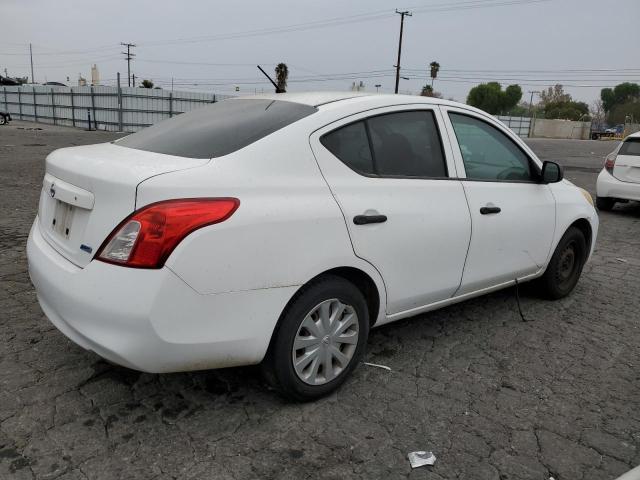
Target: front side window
<point x="487" y="153"/>
<point x="403" y="144"/>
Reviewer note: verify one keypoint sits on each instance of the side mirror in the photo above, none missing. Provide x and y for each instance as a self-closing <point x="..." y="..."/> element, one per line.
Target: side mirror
<point x="551" y="172"/>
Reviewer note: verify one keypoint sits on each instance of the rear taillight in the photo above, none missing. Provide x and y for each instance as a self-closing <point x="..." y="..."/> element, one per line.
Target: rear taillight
<point x="610" y="162"/>
<point x="147" y="237"/>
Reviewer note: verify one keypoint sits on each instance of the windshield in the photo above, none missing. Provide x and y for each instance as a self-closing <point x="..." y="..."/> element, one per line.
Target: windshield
<point x="217" y="129"/>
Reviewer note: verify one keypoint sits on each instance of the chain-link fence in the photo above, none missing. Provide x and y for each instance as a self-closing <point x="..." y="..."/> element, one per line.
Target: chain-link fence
<point x="124" y="109"/>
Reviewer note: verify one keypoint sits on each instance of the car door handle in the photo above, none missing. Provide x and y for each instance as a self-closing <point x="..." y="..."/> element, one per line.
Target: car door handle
<point x="365" y="219"/>
<point x="489" y="210"/>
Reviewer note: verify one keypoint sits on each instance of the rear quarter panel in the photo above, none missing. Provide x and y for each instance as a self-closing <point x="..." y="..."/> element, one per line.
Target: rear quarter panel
<point x="287" y="229"/>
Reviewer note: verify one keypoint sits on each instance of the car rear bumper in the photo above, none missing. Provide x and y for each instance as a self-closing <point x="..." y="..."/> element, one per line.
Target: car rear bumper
<point x="609" y="186"/>
<point x="151" y="320"/>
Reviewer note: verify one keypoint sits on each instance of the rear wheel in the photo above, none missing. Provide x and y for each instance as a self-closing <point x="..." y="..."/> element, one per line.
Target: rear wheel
<point x="319" y="341"/>
<point x="3" y="120"/>
<point x="565" y="266"/>
<point x="605" y="203"/>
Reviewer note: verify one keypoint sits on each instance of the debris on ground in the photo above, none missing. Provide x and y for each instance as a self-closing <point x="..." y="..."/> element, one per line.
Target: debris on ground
<point x="420" y="459"/>
<point x="377" y="366"/>
<point x="622" y="260"/>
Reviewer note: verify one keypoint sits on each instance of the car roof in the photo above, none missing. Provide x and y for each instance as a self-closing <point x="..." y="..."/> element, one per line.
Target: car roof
<point x="336" y="99"/>
<point x="314" y="99"/>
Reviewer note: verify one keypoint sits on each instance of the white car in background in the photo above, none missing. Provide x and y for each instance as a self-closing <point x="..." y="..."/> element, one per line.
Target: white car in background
<point x="278" y="229"/>
<point x="619" y="180"/>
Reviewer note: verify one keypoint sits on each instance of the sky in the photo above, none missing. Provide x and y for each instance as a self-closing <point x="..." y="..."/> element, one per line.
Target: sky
<point x="215" y="46"/>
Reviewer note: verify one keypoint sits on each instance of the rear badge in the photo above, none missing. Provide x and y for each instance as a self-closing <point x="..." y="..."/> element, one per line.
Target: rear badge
<point x="86" y="248"/>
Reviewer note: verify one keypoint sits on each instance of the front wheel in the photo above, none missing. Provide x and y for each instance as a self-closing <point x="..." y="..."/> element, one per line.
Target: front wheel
<point x="565" y="266"/>
<point x="3" y="120"/>
<point x="319" y="341"/>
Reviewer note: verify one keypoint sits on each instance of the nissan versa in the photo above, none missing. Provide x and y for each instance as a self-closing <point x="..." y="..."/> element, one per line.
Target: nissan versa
<point x="278" y="229"/>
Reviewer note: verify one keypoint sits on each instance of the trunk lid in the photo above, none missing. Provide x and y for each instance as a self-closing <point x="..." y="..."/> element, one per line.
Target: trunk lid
<point x="87" y="191"/>
<point x="627" y="166"/>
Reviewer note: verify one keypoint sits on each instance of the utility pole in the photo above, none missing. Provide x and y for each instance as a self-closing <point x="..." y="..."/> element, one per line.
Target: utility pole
<point x="128" y="57"/>
<point x="531" y="101"/>
<point x="402" y="15"/>
<point x="31" y="55"/>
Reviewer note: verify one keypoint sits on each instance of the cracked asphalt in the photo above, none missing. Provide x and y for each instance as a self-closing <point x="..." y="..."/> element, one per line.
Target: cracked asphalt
<point x="494" y="397"/>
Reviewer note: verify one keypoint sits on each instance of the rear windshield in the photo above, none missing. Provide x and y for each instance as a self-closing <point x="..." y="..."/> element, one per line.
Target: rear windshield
<point x="217" y="129"/>
<point x="631" y="146"/>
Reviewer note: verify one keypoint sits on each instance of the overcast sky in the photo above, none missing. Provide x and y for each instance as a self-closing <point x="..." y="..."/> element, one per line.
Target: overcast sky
<point x="214" y="46"/>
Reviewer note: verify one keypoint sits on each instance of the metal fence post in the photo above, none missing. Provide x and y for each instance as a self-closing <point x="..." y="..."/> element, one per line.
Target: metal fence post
<point x="170" y="104"/>
<point x="53" y="107"/>
<point x="93" y="107"/>
<point x="35" y="104"/>
<point x="6" y="105"/>
<point x="73" y="108"/>
<point x="20" y="101"/>
<point x="119" y="105"/>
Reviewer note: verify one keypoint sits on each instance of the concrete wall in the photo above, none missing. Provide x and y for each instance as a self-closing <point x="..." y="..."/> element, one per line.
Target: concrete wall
<point x="543" y="128"/>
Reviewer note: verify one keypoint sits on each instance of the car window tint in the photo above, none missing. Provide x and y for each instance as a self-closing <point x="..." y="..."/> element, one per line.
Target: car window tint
<point x="217" y="129"/>
<point x="488" y="154"/>
<point x="407" y="144"/>
<point x="631" y="146"/>
<point x="351" y="146"/>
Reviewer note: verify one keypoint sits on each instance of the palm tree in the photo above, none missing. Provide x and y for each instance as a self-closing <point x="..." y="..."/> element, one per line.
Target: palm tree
<point x="282" y="74"/>
<point x="435" y="68"/>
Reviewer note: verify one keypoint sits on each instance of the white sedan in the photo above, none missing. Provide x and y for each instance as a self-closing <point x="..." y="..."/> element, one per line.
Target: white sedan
<point x="279" y="229"/>
<point x="619" y="180"/>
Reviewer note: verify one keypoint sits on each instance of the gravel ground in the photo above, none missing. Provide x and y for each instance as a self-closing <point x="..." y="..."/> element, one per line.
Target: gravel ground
<point x="492" y="396"/>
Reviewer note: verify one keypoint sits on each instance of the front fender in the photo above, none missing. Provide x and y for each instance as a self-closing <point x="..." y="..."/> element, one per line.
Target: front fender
<point x="572" y="206"/>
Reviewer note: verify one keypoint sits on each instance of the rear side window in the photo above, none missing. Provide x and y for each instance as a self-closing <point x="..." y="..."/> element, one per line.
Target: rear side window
<point x="407" y="144"/>
<point x="351" y="145"/>
<point x="218" y="129"/>
<point x="631" y="146"/>
<point x="403" y="144"/>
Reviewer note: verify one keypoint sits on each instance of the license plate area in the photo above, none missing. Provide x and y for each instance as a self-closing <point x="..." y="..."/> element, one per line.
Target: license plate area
<point x="62" y="219"/>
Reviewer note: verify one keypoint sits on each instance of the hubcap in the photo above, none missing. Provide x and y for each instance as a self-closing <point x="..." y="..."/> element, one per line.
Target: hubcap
<point x="325" y="342"/>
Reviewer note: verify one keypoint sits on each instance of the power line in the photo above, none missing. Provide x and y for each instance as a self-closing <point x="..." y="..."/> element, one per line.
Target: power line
<point x="535" y="71"/>
<point x="336" y="21"/>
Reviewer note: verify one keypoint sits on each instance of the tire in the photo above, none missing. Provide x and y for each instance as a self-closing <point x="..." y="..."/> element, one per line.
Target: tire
<point x="564" y="269"/>
<point x="3" y="120"/>
<point x="322" y="374"/>
<point x="605" y="203"/>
